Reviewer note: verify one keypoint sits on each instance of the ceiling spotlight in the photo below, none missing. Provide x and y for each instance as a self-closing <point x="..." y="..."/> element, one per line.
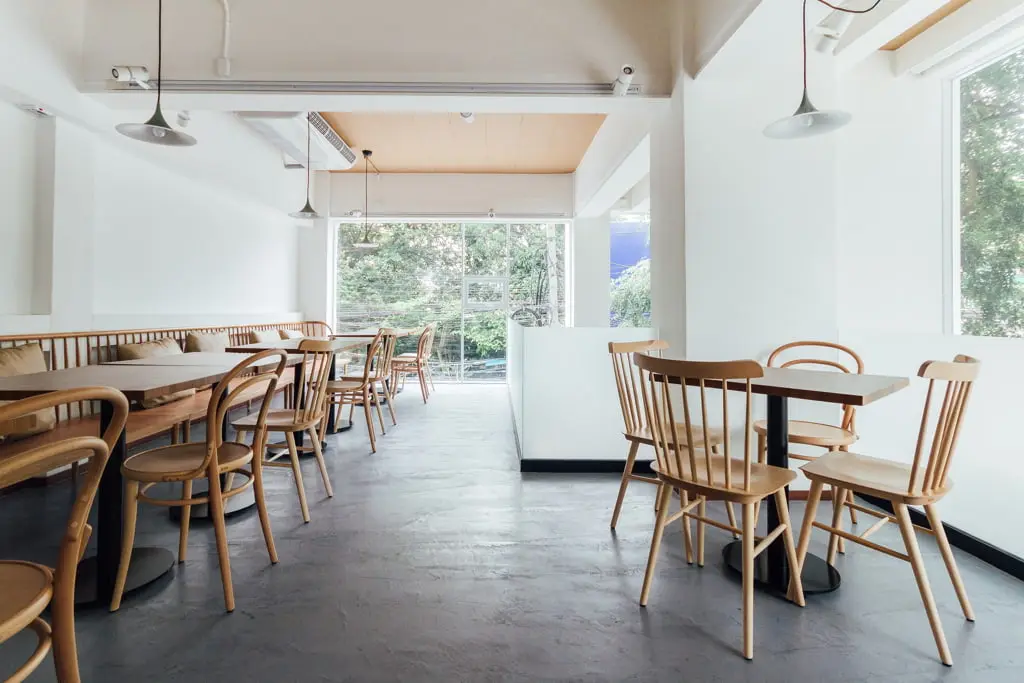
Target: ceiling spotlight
<point x="356" y="213"/>
<point x="184" y="118"/>
<point x="621" y="85"/>
<point x="468" y="116"/>
<point x="831" y="30"/>
<point x="490" y="213"/>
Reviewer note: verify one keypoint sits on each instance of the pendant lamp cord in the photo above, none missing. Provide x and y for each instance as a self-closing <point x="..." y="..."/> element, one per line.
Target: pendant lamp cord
<point x="838" y="9"/>
<point x="159" y="51"/>
<point x="309" y="161"/>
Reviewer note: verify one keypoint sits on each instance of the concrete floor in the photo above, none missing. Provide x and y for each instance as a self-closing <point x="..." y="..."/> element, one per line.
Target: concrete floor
<point x="438" y="561"/>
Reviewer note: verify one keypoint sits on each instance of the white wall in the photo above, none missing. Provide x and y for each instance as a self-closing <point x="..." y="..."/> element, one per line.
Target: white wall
<point x="891" y="291"/>
<point x="493" y="41"/>
<point x="591" y="276"/>
<point x="17" y="178"/>
<point x="440" y="194"/>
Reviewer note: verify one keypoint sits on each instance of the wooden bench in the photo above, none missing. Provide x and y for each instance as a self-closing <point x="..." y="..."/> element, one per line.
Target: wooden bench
<point x="76" y="349"/>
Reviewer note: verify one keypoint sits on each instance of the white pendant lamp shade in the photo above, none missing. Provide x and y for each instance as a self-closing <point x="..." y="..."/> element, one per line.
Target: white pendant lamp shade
<point x="808" y="121"/>
<point x="156" y="130"/>
<point x="307" y="213"/>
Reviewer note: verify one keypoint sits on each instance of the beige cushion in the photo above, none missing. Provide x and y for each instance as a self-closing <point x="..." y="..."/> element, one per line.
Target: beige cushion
<point x="25" y="360"/>
<point x="259" y="336"/>
<point x="291" y="334"/>
<point x="154" y="349"/>
<point x="217" y="342"/>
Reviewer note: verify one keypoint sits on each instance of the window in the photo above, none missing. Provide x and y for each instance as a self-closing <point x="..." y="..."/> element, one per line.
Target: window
<point x="467" y="277"/>
<point x="991" y="296"/>
<point x="631" y="271"/>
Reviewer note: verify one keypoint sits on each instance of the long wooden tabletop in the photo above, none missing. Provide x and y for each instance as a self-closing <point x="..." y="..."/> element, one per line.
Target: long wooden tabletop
<point x="137" y="382"/>
<point x="292" y="345"/>
<point x="372" y="332"/>
<point x="205" y="358"/>
<point x="815" y="385"/>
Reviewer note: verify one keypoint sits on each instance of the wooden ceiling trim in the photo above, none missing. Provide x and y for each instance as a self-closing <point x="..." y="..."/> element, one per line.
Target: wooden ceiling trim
<point x="923" y="25"/>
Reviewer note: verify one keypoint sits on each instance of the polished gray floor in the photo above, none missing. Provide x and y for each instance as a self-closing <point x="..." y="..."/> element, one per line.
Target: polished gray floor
<point x="438" y="561"/>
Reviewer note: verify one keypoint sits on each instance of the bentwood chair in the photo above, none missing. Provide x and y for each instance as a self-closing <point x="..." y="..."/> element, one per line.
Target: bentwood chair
<point x="362" y="389"/>
<point x="924" y="482"/>
<point x="26" y="588"/>
<point x="637" y="432"/>
<point x="417" y="363"/>
<point x="210" y="459"/>
<point x="304" y="418"/>
<point x="832" y="437"/>
<point x="708" y="476"/>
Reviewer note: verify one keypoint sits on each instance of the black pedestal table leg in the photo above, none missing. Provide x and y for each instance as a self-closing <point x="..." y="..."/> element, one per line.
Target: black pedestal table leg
<point x="299" y="398"/>
<point x="330" y="412"/>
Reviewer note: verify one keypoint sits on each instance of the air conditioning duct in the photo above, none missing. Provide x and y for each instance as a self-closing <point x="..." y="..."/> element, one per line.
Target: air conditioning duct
<point x="287" y="132"/>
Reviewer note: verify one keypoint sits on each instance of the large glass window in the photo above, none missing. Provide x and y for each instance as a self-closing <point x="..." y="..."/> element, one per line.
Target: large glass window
<point x="991" y="293"/>
<point x="631" y="271"/>
<point x="467" y="277"/>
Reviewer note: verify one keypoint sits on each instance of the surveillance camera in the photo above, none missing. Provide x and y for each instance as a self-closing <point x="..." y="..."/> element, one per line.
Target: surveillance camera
<point x="621" y="85"/>
<point x="130" y="74"/>
<point x="490" y="213"/>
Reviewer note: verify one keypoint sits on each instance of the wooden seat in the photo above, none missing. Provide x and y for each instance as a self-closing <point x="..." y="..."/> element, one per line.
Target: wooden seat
<point x="708" y="476"/>
<point x="636" y="431"/>
<point x="417" y="363"/>
<point x="816" y="434"/>
<point x="28" y="589"/>
<point x="365" y="389"/>
<point x="923" y="482"/>
<point x="188" y="462"/>
<point x="303" y="418"/>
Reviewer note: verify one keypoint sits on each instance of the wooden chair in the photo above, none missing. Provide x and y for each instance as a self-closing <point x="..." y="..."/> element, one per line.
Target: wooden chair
<point x="707" y="476"/>
<point x="362" y="389"/>
<point x="925" y="483"/>
<point x="831" y="437"/>
<point x="417" y="363"/>
<point x="637" y="432"/>
<point x="303" y="418"/>
<point x="26" y="588"/>
<point x="209" y="459"/>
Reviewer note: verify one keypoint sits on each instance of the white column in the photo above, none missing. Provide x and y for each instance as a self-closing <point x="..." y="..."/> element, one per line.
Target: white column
<point x="317" y="259"/>
<point x="668" y="225"/>
<point x="591" y="278"/>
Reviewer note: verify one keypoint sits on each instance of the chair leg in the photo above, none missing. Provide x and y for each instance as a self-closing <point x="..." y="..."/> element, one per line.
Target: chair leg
<point x="630" y="459"/>
<point x="186" y="518"/>
<point x="749" y="530"/>
<point x="391" y="402"/>
<point x="293" y="453"/>
<point x="220" y="531"/>
<point x="813" y="498"/>
<point x="131" y="511"/>
<point x="840" y="504"/>
<point x="702" y="510"/>
<point x="423" y="384"/>
<point x="796" y="586"/>
<point x="838" y="496"/>
<point x="664" y="496"/>
<point x="684" y="500"/>
<point x="947" y="557"/>
<point x="376" y="402"/>
<point x="62" y="633"/>
<point x="260" y="493"/>
<point x="914" y="553"/>
<point x="731" y="513"/>
<point x="430" y="376"/>
<point x="318" y="452"/>
<point x="369" y="420"/>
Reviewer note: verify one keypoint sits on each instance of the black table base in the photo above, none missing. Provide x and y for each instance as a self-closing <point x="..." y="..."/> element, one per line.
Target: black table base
<point x="147" y="565"/>
<point x="818" y="575"/>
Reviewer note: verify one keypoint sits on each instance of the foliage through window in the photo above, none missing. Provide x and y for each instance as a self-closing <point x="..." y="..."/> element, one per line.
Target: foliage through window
<point x="631" y="272"/>
<point x="467" y="277"/>
<point x="992" y="199"/>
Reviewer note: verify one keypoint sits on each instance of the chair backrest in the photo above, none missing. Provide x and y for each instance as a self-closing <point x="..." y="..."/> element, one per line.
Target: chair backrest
<point x="379" y="356"/>
<point x="665" y="406"/>
<point x="958" y="377"/>
<point x="38" y="461"/>
<point x="317" y="355"/>
<point x="633" y="416"/>
<point x="852" y="363"/>
<point x="425" y="345"/>
<point x="241" y="378"/>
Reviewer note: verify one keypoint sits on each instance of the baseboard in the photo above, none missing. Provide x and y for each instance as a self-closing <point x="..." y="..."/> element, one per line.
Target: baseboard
<point x="958" y="538"/>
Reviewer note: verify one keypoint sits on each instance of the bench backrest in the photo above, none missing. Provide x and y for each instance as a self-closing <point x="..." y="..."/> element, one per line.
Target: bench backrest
<point x="76" y="349"/>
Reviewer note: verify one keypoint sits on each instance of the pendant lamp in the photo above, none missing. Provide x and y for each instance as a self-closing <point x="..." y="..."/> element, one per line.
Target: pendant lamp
<point x="808" y="120"/>
<point x="156" y="130"/>
<point x="307" y="213"/>
<point x="365" y="243"/>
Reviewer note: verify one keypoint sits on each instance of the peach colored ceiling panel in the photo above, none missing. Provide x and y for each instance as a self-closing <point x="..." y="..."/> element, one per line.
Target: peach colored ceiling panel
<point x="445" y="143"/>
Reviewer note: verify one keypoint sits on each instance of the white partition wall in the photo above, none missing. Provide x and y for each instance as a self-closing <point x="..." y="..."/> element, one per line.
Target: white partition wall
<point x="564" y="400"/>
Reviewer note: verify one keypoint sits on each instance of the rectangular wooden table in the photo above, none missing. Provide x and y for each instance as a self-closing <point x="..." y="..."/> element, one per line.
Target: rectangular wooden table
<point x="205" y="359"/>
<point x="779" y="385"/>
<point x="97" y="574"/>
